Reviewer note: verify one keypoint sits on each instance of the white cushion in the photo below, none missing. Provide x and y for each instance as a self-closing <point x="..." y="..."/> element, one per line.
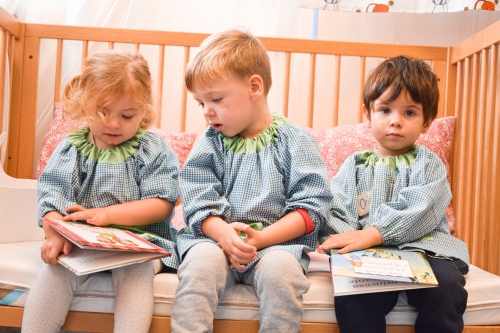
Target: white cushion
<point x="20" y="262"/>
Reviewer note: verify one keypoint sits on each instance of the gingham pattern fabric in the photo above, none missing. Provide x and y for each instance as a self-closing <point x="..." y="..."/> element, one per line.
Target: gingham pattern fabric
<point x="150" y="172"/>
<point x="255" y="186"/>
<point x="408" y="202"/>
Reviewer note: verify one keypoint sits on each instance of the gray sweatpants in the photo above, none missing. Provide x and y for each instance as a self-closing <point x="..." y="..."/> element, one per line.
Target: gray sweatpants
<point x="204" y="275"/>
<point x="51" y="294"/>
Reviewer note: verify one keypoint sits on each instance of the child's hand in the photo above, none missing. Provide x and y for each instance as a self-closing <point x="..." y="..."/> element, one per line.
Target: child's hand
<point x="237" y="251"/>
<point x="353" y="240"/>
<point x="256" y="238"/>
<point x="94" y="216"/>
<point x="53" y="246"/>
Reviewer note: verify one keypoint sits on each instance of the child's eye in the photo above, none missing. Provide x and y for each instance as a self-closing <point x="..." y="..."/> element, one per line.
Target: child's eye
<point x="200" y="104"/>
<point x="385" y="110"/>
<point x="409" y="113"/>
<point x="216" y="99"/>
<point x="127" y="117"/>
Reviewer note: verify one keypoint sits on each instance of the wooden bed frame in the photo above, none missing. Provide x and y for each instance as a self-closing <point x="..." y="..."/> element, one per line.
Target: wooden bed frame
<point x="468" y="75"/>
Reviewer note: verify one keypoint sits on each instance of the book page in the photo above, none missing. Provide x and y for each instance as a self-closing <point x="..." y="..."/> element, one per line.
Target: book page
<point x="379" y="266"/>
<point x="89" y="236"/>
<point x="81" y="261"/>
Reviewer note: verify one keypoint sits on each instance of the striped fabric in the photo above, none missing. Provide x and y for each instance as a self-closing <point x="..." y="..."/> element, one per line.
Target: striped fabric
<point x="256" y="185"/>
<point x="77" y="176"/>
<point x="408" y="202"/>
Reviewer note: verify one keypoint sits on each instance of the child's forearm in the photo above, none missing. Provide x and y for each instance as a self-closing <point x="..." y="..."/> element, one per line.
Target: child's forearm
<point x="47" y="229"/>
<point x="289" y="227"/>
<point x="213" y="227"/>
<point x="140" y="212"/>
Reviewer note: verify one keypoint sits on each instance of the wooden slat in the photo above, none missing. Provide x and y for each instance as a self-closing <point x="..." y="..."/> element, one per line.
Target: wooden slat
<point x="286" y="83"/>
<point x="310" y="95"/>
<point x="111" y="45"/>
<point x="474" y="44"/>
<point x="28" y="108"/>
<point x="271" y="44"/>
<point x="3" y="59"/>
<point x="10" y="23"/>
<point x="451" y="85"/>
<point x="137" y="47"/>
<point x="15" y="104"/>
<point x="85" y="51"/>
<point x="494" y="202"/>
<point x="462" y="223"/>
<point x="480" y="223"/>
<point x="362" y="70"/>
<point x="439" y="68"/>
<point x="159" y="89"/>
<point x="58" y="76"/>
<point x="454" y="158"/>
<point x="471" y="225"/>
<point x="184" y="91"/>
<point x="336" y="91"/>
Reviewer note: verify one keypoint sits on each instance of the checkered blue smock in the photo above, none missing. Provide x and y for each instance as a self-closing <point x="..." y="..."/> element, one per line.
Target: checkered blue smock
<point x="80" y="173"/>
<point x="255" y="180"/>
<point x="409" y="196"/>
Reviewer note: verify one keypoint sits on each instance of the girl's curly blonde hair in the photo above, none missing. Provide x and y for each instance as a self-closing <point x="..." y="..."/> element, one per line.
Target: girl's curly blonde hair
<point x="107" y="76"/>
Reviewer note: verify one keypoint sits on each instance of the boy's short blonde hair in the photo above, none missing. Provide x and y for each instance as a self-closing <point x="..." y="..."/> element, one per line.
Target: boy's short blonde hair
<point x="229" y="53"/>
<point x="404" y="74"/>
<point x="107" y="76"/>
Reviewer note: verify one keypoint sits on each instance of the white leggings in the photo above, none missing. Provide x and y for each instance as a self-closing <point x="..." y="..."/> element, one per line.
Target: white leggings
<point x="51" y="294"/>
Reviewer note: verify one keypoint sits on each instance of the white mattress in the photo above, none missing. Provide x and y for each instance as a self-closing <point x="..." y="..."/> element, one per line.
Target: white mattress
<point x="20" y="262"/>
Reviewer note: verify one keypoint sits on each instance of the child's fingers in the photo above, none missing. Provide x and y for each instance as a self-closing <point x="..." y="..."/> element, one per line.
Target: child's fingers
<point x="74" y="208"/>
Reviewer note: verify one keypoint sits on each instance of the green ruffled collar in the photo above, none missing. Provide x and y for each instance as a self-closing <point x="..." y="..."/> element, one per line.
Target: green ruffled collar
<point x="370" y="158"/>
<point x="239" y="145"/>
<point x="112" y="155"/>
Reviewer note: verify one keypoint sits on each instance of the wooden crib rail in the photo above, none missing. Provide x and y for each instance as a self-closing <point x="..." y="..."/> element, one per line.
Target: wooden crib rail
<point x="24" y="99"/>
<point x="473" y="94"/>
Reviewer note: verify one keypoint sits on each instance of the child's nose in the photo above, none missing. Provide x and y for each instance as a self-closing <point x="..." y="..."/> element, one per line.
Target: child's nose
<point x="208" y="112"/>
<point x="395" y="120"/>
<point x="113" y="122"/>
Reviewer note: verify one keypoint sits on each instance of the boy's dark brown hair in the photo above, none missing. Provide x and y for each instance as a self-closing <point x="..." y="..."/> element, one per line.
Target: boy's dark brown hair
<point x="404" y="74"/>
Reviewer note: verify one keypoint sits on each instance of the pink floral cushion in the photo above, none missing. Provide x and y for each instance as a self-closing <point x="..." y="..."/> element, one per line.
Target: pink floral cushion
<point x="181" y="143"/>
<point x="340" y="142"/>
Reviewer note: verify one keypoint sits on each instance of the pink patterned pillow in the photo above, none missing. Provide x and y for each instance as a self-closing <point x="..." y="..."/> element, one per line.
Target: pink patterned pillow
<point x="181" y="143"/>
<point x="340" y="142"/>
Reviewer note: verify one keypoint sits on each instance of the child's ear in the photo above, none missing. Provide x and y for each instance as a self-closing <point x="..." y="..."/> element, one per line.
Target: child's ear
<point x="256" y="85"/>
<point x="426" y="126"/>
<point x="366" y="112"/>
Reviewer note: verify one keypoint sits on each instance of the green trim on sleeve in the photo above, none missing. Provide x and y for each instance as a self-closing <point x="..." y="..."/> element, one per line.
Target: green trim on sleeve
<point x="239" y="145"/>
<point x="112" y="155"/>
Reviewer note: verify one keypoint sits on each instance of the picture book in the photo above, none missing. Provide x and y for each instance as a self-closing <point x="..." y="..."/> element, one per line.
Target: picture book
<point x="102" y="248"/>
<point x="379" y="269"/>
<point x="82" y="261"/>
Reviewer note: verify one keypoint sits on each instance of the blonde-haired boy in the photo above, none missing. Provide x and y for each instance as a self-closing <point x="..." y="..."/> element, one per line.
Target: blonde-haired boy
<point x="254" y="192"/>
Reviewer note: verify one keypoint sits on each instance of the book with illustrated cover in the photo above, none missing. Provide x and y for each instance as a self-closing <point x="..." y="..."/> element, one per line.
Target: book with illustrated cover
<point x="102" y="248"/>
<point x="379" y="269"/>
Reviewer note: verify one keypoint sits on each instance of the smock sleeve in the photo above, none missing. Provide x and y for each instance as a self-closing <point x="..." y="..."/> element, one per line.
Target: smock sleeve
<point x="343" y="215"/>
<point x="59" y="181"/>
<point x="158" y="170"/>
<point x="420" y="206"/>
<point x="305" y="173"/>
<point x="202" y="190"/>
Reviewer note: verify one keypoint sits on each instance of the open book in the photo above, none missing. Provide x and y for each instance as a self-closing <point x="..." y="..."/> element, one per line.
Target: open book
<point x="379" y="269"/>
<point x="102" y="248"/>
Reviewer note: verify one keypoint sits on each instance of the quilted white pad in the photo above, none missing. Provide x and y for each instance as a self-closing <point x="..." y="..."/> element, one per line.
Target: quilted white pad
<point x="20" y="262"/>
